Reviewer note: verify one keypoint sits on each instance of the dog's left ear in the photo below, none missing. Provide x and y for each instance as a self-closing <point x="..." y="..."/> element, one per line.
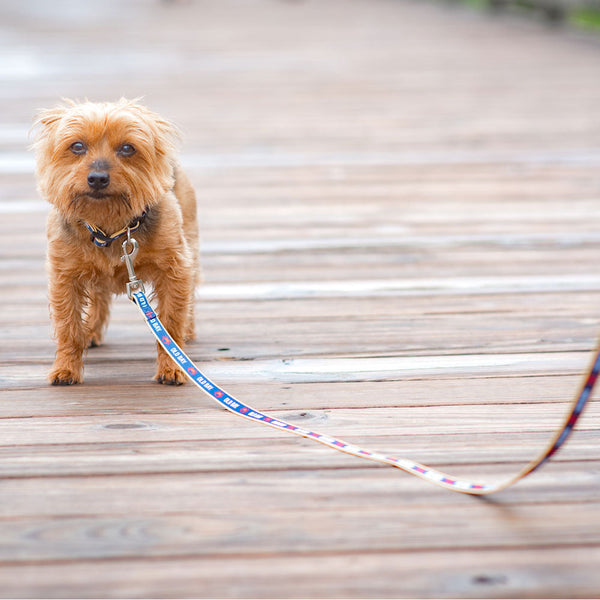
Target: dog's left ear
<point x="46" y="121"/>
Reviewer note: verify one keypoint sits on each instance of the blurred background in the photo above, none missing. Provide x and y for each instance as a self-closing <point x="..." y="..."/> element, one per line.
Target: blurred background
<point x="399" y="208"/>
<point x="268" y="81"/>
<point x="333" y="84"/>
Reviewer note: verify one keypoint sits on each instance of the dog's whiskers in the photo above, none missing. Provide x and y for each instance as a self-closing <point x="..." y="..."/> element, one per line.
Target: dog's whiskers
<point x="125" y="199"/>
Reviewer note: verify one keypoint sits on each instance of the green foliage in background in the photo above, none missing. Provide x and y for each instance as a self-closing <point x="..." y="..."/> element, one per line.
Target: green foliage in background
<point x="587" y="17"/>
<point x="584" y="14"/>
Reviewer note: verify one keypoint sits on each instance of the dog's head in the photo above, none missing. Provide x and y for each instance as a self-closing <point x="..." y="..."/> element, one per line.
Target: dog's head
<point x="103" y="162"/>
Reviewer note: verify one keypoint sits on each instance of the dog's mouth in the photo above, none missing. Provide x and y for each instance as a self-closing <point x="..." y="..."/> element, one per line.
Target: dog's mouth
<point x="100" y="195"/>
<point x="97" y="195"/>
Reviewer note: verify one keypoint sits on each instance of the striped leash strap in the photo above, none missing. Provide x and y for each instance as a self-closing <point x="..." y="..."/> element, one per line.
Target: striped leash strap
<point x="434" y="476"/>
<point x="135" y="291"/>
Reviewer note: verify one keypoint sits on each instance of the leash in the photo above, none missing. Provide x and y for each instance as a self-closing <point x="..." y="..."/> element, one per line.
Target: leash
<point x="136" y="293"/>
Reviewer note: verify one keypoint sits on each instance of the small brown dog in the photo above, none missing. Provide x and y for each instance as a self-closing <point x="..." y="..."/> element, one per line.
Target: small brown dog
<point x="107" y="167"/>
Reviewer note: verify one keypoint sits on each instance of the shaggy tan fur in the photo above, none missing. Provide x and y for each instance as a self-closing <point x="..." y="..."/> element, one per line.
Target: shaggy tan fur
<point x="106" y="164"/>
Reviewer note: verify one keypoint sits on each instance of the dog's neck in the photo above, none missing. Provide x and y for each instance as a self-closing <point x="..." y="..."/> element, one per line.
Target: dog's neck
<point x="104" y="240"/>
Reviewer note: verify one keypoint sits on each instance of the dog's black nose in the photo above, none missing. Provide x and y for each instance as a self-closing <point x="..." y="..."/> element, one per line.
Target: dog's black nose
<point x="98" y="180"/>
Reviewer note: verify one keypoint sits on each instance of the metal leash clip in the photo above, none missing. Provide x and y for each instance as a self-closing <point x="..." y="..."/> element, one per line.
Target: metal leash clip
<point x="134" y="284"/>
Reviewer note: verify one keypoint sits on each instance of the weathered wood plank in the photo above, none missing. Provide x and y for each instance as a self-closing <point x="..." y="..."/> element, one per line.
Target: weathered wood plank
<point x="399" y="229"/>
<point x="311" y="327"/>
<point x="455" y="453"/>
<point x="206" y="423"/>
<point x="533" y="572"/>
<point x="318" y="486"/>
<point x="139" y="396"/>
<point x="251" y="531"/>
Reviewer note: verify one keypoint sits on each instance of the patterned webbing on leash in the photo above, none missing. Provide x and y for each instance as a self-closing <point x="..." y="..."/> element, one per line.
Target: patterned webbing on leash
<point x="424" y="472"/>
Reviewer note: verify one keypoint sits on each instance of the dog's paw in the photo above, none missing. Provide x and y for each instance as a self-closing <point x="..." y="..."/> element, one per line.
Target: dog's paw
<point x="170" y="376"/>
<point x="95" y="341"/>
<point x="64" y="377"/>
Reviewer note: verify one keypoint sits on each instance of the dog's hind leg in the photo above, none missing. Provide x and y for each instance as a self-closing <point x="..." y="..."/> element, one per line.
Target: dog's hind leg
<point x="96" y="314"/>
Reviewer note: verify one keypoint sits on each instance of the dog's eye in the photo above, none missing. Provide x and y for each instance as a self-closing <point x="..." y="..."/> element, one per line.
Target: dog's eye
<point x="126" y="150"/>
<point x="78" y="148"/>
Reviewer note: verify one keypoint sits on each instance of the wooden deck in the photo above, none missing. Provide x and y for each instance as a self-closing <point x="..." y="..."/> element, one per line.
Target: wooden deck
<point x="400" y="207"/>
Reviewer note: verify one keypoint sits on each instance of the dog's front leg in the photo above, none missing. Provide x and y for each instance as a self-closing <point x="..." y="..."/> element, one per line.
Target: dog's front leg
<point x="66" y="296"/>
<point x="174" y="295"/>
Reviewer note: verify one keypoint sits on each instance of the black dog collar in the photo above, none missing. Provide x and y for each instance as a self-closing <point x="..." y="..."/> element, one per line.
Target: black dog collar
<point x="103" y="240"/>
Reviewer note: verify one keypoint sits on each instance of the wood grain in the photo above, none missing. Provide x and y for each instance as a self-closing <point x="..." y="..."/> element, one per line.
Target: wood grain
<point x="399" y="208"/>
